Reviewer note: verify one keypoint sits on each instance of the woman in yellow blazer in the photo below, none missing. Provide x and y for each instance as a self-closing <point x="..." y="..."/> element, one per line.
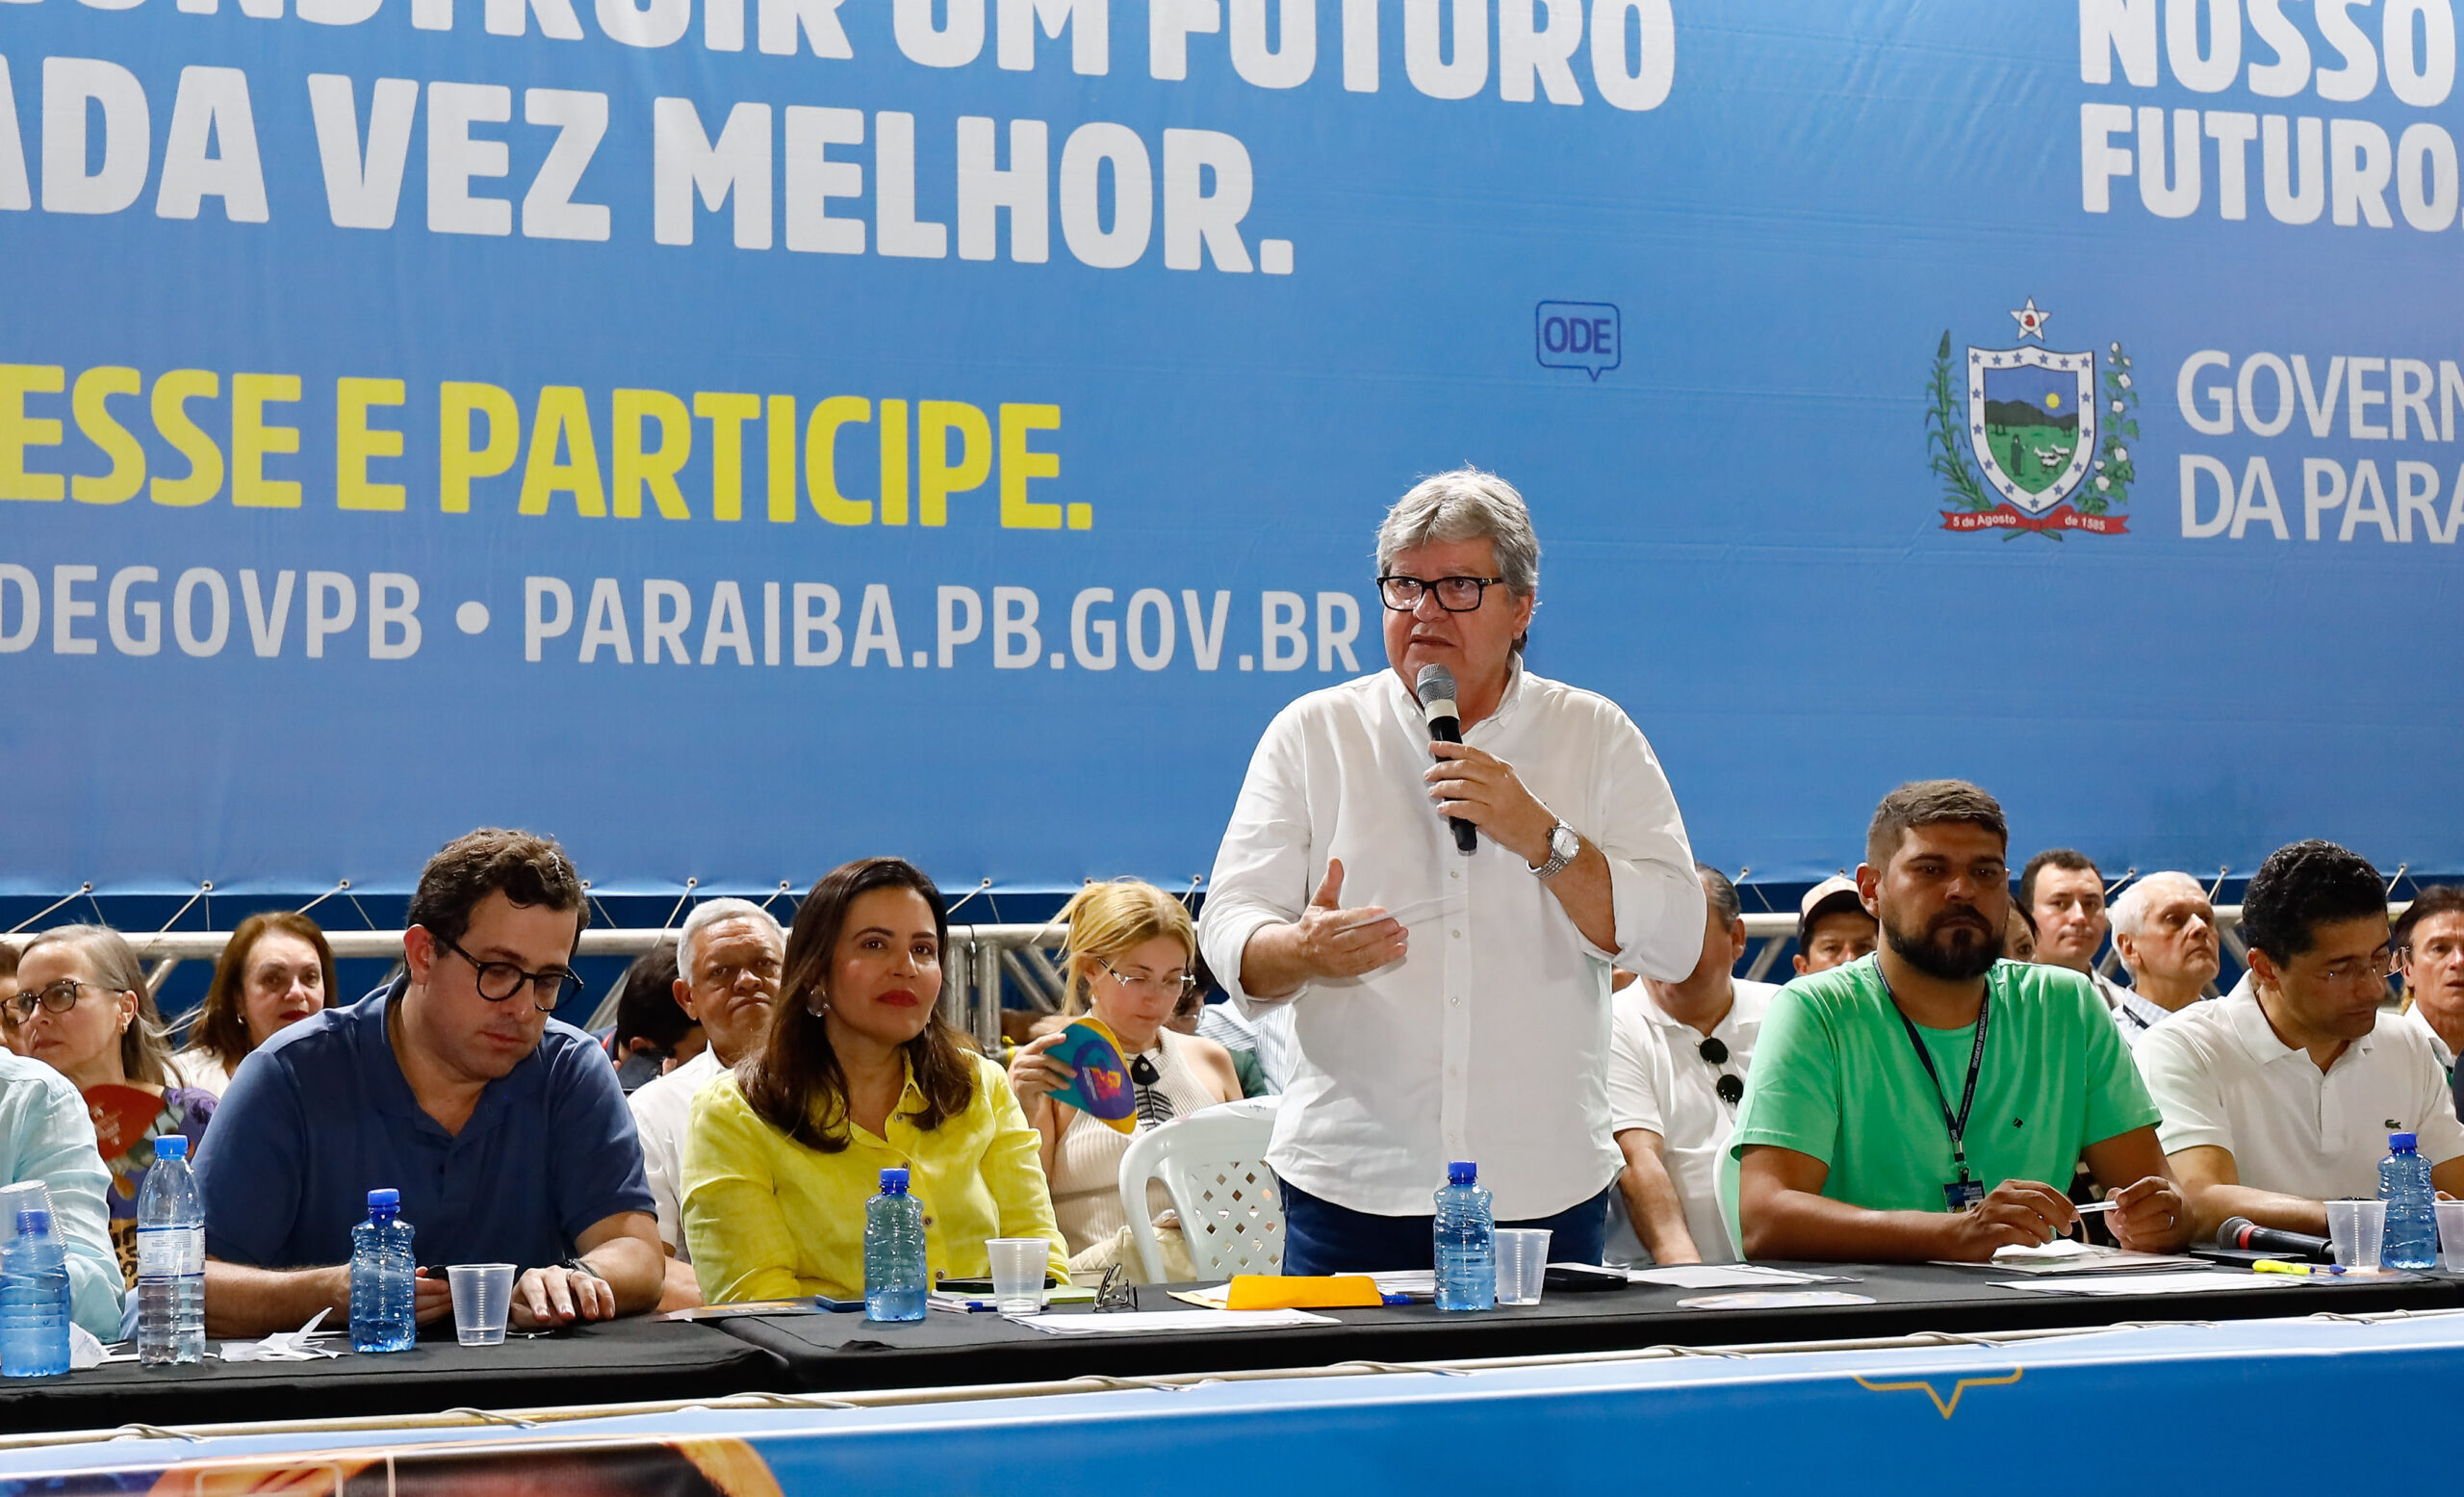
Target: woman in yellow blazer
<point x="858" y="1073"/>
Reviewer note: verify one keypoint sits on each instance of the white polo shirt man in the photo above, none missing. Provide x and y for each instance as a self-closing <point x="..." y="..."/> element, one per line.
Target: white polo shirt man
<point x="1659" y="1079"/>
<point x="2223" y="1079"/>
<point x="662" y="1110"/>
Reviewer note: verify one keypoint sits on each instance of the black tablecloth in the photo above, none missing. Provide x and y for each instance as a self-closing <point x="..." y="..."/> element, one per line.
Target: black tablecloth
<point x="846" y="1352"/>
<point x="619" y="1362"/>
<point x="641" y="1361"/>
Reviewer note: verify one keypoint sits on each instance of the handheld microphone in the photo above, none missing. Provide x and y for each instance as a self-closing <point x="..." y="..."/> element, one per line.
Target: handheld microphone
<point x="1436" y="693"/>
<point x="2240" y="1232"/>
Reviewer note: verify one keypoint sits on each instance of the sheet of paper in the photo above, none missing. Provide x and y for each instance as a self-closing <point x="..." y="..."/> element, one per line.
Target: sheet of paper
<point x="1717" y="1276"/>
<point x="1419" y="1281"/>
<point x="1147" y="1323"/>
<point x="2059" y="1248"/>
<point x="1409" y="914"/>
<point x="2083" y="1258"/>
<point x="1208" y="1297"/>
<point x="2209" y="1281"/>
<point x="1774" y="1300"/>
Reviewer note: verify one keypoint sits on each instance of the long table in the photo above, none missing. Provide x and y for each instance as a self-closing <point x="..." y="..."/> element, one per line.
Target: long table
<point x="621" y="1361"/>
<point x="647" y="1360"/>
<point x="842" y="1352"/>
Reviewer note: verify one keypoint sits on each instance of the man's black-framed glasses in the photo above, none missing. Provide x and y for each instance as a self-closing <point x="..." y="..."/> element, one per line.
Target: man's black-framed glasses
<point x="1731" y="1086"/>
<point x="499" y="981"/>
<point x="1454" y="594"/>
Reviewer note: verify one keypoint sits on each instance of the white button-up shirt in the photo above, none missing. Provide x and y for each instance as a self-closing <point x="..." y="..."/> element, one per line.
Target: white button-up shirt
<point x="1489" y="1040"/>
<point x="2222" y="1079"/>
<point x="1658" y="1079"/>
<point x="662" y="1110"/>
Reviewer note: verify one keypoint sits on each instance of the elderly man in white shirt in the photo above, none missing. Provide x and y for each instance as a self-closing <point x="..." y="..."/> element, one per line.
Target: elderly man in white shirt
<point x="728" y="965"/>
<point x="2164" y="935"/>
<point x="2279" y="1101"/>
<point x="1449" y="1006"/>
<point x="1677" y="1064"/>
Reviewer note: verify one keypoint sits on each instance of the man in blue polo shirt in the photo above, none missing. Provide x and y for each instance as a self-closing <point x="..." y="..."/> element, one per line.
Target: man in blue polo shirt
<point x="506" y="1132"/>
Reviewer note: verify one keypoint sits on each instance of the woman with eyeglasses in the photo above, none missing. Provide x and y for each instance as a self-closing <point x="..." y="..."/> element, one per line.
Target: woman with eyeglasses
<point x="858" y="1073"/>
<point x="83" y="1009"/>
<point x="275" y="972"/>
<point x="1131" y="963"/>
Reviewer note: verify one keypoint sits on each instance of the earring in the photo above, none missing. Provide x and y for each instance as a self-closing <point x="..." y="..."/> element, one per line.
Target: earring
<point x="817" y="1005"/>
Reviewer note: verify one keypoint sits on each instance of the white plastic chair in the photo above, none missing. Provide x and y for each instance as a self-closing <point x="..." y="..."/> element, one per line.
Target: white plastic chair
<point x="1213" y="1165"/>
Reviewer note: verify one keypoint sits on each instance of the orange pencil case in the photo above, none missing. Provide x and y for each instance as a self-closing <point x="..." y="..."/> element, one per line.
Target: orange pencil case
<point x="1277" y="1291"/>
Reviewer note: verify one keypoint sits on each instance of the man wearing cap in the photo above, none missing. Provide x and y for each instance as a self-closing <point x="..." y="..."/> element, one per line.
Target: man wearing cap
<point x="1448" y="1001"/>
<point x="1834" y="927"/>
<point x="1677" y="1064"/>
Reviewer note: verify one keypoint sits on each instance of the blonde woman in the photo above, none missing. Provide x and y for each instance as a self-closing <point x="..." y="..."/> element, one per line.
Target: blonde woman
<point x="83" y="1009"/>
<point x="1132" y="964"/>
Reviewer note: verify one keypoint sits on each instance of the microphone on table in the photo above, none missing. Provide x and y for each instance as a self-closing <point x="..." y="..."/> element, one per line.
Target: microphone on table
<point x="2240" y="1232"/>
<point x="1436" y="693"/>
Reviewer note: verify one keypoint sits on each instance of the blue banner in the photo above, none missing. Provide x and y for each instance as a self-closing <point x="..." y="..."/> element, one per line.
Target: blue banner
<point x="1885" y="1419"/>
<point x="738" y="435"/>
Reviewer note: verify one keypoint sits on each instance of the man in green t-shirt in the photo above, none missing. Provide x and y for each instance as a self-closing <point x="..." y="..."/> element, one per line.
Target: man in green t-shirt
<point x="1910" y="1105"/>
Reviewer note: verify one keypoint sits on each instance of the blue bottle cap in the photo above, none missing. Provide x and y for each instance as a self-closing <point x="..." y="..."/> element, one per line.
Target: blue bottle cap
<point x="2402" y="1142"/>
<point x="34" y="1221"/>
<point x="1462" y="1171"/>
<point x="384" y="1200"/>
<point x="894" y="1182"/>
<point x="171" y="1146"/>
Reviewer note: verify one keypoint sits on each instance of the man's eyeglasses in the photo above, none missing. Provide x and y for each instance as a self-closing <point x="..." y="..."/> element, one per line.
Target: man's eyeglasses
<point x="1167" y="986"/>
<point x="58" y="998"/>
<point x="501" y="980"/>
<point x="1454" y="594"/>
<point x="1731" y="1086"/>
<point x="2359" y="971"/>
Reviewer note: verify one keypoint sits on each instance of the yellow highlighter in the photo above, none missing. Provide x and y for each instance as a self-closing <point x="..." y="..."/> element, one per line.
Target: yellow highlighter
<point x="2277" y="1265"/>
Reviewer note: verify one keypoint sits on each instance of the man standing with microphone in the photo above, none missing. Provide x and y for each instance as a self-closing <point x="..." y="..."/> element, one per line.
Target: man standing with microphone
<point x="1441" y="915"/>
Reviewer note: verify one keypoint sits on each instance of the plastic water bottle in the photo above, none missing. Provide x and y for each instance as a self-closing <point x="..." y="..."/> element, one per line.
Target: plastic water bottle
<point x="2412" y="1212"/>
<point x="34" y="1301"/>
<point x="893" y="1252"/>
<point x="171" y="1259"/>
<point x="383" y="1300"/>
<point x="1466" y="1242"/>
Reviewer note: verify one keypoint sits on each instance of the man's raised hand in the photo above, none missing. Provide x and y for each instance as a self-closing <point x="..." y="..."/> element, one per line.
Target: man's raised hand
<point x="1339" y="942"/>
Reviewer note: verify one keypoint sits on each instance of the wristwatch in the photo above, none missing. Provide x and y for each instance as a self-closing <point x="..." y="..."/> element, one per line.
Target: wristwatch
<point x="1563" y="847"/>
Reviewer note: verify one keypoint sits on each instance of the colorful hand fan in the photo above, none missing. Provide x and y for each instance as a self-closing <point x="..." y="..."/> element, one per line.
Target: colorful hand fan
<point x="121" y="1115"/>
<point x="1101" y="1088"/>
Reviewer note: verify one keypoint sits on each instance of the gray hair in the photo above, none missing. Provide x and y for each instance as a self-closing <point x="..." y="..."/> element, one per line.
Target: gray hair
<point x="145" y="1047"/>
<point x="2129" y="910"/>
<point x="710" y="913"/>
<point x="1466" y="505"/>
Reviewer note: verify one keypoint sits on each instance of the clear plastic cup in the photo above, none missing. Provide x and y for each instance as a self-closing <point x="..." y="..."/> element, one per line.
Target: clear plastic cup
<point x="482" y="1296"/>
<point x="2359" y="1229"/>
<point x="24" y="1195"/>
<point x="1018" y="1266"/>
<point x="2451" y="1235"/>
<point x="1523" y="1263"/>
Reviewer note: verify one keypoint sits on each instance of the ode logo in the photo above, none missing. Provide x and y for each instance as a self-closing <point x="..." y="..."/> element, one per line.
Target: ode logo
<point x="1580" y="335"/>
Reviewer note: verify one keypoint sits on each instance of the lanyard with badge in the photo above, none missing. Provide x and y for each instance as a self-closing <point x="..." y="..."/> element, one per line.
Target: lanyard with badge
<point x="1966" y="1191"/>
